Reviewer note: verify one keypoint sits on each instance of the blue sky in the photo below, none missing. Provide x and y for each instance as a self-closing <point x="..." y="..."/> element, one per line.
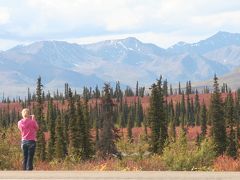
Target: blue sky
<point x="163" y="22"/>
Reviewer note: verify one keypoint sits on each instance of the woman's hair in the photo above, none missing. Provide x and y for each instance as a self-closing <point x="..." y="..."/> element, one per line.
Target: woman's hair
<point x="25" y="113"/>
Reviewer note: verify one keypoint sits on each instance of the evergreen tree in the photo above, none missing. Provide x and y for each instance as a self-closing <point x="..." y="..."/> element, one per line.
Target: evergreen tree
<point x="192" y="119"/>
<point x="188" y="112"/>
<point x="203" y="120"/>
<point x="84" y="138"/>
<point x="107" y="138"/>
<point x="179" y="88"/>
<point x="197" y="109"/>
<point x="218" y="123"/>
<point x="96" y="92"/>
<point x="229" y="110"/>
<point x="65" y="122"/>
<point x="51" y="119"/>
<point x="59" y="145"/>
<point x="237" y="113"/>
<point x="157" y="118"/>
<point x="171" y="90"/>
<point x="182" y="111"/>
<point x="229" y="115"/>
<point x="165" y="88"/>
<point x="172" y="124"/>
<point x="73" y="129"/>
<point x="130" y="123"/>
<point x="154" y="119"/>
<point x="97" y="113"/>
<point x="162" y="112"/>
<point x="141" y="91"/>
<point x="66" y="90"/>
<point x="129" y="91"/>
<point x="87" y="143"/>
<point x="189" y="87"/>
<point x="41" y="144"/>
<point x="117" y="92"/>
<point x="177" y="113"/>
<point x="232" y="144"/>
<point x="139" y="113"/>
<point x="29" y="97"/>
<point x="136" y="94"/>
<point x="124" y="118"/>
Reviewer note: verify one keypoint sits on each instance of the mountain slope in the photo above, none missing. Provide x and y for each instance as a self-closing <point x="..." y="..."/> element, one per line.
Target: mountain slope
<point x="232" y="79"/>
<point x="218" y="40"/>
<point x="127" y="60"/>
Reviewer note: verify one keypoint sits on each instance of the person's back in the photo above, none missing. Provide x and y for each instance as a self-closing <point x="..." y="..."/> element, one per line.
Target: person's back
<point x="28" y="127"/>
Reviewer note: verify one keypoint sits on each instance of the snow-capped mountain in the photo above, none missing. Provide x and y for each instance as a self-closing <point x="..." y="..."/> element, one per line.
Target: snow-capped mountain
<point x="217" y="41"/>
<point x="127" y="60"/>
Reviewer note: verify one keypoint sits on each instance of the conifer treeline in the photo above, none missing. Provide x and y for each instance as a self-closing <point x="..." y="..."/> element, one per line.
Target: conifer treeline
<point x="83" y="129"/>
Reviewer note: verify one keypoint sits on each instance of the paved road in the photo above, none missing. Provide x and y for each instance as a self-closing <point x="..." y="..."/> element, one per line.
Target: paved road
<point x="90" y="175"/>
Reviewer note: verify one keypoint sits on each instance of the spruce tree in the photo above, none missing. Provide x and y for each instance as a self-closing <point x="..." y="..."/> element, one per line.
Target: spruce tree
<point x="59" y="145"/>
<point x="203" y="120"/>
<point x="66" y="90"/>
<point x="232" y="144"/>
<point x="197" y="109"/>
<point x="117" y="92"/>
<point x="106" y="145"/>
<point x="177" y="114"/>
<point x="130" y="123"/>
<point x="139" y="113"/>
<point x="125" y="114"/>
<point x="165" y="88"/>
<point x="86" y="146"/>
<point x="182" y="112"/>
<point x="171" y="90"/>
<point x="192" y="117"/>
<point x="154" y="119"/>
<point x="179" y="89"/>
<point x="188" y="112"/>
<point x="163" y="115"/>
<point x="51" y="119"/>
<point x="96" y="93"/>
<point x="218" y="122"/>
<point x="73" y="129"/>
<point x="65" y="122"/>
<point x="136" y="94"/>
<point x="229" y="111"/>
<point x="237" y="113"/>
<point x="96" y="119"/>
<point x="41" y="143"/>
<point x="141" y="91"/>
<point x="229" y="115"/>
<point x="157" y="118"/>
<point x="189" y="87"/>
<point x="172" y="124"/>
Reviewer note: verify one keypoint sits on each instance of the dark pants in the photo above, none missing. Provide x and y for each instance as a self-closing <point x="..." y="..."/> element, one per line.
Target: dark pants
<point x="28" y="148"/>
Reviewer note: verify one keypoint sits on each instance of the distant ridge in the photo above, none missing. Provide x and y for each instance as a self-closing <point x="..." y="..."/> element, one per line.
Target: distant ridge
<point x="127" y="60"/>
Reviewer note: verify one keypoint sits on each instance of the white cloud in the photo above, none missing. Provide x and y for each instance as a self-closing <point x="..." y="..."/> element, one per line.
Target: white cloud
<point x="4" y="15"/>
<point x="217" y="21"/>
<point x="6" y="44"/>
<point x="108" y="14"/>
<point x="163" y="22"/>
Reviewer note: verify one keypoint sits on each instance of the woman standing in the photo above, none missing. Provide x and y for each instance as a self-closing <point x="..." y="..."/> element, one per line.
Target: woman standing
<point x="28" y="127"/>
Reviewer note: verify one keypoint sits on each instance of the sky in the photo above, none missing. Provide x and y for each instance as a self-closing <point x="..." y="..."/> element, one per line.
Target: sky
<point x="162" y="22"/>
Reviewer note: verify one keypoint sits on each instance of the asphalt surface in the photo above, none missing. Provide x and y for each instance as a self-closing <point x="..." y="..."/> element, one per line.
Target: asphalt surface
<point x="107" y="175"/>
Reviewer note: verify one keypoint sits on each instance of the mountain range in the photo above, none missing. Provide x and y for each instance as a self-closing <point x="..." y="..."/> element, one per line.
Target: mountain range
<point x="127" y="60"/>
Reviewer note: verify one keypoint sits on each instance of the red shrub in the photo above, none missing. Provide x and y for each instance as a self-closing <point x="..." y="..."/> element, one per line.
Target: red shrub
<point x="226" y="163"/>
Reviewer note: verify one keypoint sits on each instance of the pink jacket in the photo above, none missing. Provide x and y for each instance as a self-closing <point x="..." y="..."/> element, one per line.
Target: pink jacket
<point x="28" y="128"/>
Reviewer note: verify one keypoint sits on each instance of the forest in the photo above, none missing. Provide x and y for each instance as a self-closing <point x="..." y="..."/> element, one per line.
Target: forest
<point x="138" y="129"/>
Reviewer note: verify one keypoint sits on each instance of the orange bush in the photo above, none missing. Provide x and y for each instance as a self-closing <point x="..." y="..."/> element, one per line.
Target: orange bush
<point x="226" y="163"/>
